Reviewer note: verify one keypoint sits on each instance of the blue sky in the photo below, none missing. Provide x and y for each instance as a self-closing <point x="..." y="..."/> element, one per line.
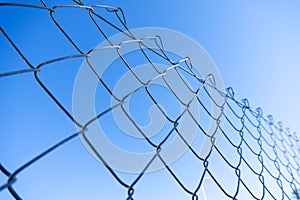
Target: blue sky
<point x="255" y="45"/>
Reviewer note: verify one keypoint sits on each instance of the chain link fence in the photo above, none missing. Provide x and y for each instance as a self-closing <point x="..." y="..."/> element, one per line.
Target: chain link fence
<point x="253" y="157"/>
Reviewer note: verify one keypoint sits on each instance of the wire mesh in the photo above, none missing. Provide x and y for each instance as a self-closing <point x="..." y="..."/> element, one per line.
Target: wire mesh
<point x="259" y="156"/>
